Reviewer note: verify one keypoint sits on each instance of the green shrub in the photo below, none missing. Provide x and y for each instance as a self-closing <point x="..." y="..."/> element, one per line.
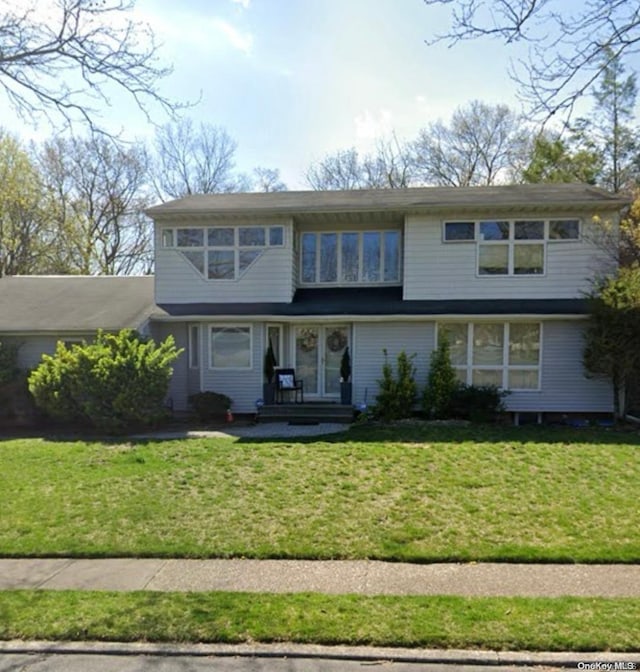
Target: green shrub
<point x="210" y="405"/>
<point x="115" y="383"/>
<point x="8" y="362"/>
<point x="478" y="403"/>
<point x="441" y="383"/>
<point x="397" y="393"/>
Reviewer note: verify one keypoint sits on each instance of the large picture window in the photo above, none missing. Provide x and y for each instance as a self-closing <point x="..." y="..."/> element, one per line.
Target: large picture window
<point x="230" y="347"/>
<point x="367" y="257"/>
<point x="495" y="353"/>
<point x="222" y="252"/>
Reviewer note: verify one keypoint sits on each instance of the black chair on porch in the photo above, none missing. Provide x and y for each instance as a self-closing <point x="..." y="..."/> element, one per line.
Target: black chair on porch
<point x="286" y="383"/>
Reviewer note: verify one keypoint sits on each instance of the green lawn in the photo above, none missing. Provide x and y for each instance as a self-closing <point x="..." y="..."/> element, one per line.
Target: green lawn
<point x="400" y="493"/>
<point x="567" y="624"/>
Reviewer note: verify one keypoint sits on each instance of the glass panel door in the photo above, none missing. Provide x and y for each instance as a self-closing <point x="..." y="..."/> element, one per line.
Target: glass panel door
<point x="336" y="340"/>
<point x="306" y="359"/>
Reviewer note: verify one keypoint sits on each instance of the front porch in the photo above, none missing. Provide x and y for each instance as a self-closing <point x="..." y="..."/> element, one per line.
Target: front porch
<point x="311" y="412"/>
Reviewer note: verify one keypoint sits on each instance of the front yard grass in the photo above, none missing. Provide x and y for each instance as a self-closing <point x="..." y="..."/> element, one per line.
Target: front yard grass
<point x="400" y="493"/>
<point x="559" y="624"/>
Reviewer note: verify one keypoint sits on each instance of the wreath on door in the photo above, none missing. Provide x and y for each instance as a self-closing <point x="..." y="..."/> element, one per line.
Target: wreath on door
<point x="307" y="340"/>
<point x="337" y="340"/>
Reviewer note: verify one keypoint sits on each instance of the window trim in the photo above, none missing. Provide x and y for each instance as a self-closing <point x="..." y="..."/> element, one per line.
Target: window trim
<point x="194" y="348"/>
<point x="505" y="367"/>
<point x="224" y="325"/>
<point x="339" y="282"/>
<point x="170" y="235"/>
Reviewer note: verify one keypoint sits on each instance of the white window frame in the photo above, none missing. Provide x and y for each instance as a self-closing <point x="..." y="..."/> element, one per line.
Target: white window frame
<point x="170" y="235"/>
<point x="223" y="325"/>
<point x="339" y="281"/>
<point x="505" y="367"/>
<point x="511" y="242"/>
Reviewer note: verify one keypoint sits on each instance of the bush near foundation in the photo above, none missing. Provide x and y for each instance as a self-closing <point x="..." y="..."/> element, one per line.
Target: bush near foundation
<point x="116" y="383"/>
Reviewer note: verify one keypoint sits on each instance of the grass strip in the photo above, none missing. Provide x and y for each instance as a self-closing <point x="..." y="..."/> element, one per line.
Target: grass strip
<point x="535" y="624"/>
<point x="401" y="493"/>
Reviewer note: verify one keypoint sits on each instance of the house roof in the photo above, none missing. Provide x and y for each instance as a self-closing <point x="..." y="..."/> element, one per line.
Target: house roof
<point x="385" y="301"/>
<point x="581" y="197"/>
<point x="74" y="303"/>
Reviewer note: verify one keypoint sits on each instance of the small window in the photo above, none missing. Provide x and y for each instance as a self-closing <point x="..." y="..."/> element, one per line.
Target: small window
<point x="221" y="237"/>
<point x="190" y="237"/>
<point x="494" y="230"/>
<point x="276" y="236"/>
<point x="252" y="236"/>
<point x="247" y="257"/>
<point x="167" y="238"/>
<point x="222" y="264"/>
<point x="459" y="231"/>
<point x="231" y="347"/>
<point x="564" y="229"/>
<point x="493" y="260"/>
<point x="529" y="230"/>
<point x="196" y="258"/>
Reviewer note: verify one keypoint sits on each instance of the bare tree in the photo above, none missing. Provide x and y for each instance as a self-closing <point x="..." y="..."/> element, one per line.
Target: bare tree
<point x="266" y="179"/>
<point x="390" y="167"/>
<point x="566" y="41"/>
<point x="97" y="192"/>
<point x="63" y="59"/>
<point x="193" y="159"/>
<point x="482" y="145"/>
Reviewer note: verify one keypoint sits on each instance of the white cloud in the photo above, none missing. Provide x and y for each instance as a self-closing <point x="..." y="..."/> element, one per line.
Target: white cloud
<point x="241" y="41"/>
<point x="243" y="3"/>
<point x="370" y="125"/>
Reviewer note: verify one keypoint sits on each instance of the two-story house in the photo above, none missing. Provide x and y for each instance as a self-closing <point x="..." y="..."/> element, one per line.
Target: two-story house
<point x="503" y="270"/>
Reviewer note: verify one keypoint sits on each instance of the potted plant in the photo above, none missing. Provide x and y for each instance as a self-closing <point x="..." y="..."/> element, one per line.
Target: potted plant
<point x="270" y="363"/>
<point x="345" y="378"/>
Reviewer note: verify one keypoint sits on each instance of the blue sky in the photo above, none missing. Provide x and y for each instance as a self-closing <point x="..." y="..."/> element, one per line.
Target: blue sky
<point x="293" y="80"/>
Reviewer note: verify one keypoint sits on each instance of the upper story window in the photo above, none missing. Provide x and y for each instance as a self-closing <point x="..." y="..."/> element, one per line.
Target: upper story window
<point x="222" y="252"/>
<point x="511" y="247"/>
<point x="350" y="257"/>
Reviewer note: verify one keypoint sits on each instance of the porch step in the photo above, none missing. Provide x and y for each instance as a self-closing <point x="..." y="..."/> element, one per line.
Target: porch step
<point x="306" y="413"/>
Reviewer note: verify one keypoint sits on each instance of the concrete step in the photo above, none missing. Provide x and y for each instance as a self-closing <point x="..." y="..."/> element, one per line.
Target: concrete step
<point x="307" y="412"/>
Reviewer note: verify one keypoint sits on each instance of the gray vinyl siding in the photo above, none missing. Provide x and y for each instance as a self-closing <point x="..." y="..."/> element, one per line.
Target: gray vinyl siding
<point x="243" y="386"/>
<point x="437" y="270"/>
<point x="32" y="347"/>
<point x="564" y="386"/>
<point x="371" y="338"/>
<point x="178" y="387"/>
<point x="268" y="279"/>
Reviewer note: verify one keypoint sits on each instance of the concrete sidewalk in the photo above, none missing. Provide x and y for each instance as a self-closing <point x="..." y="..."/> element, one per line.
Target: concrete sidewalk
<point x="330" y="577"/>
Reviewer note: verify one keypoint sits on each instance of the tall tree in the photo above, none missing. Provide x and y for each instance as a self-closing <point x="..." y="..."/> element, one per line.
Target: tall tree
<point x="63" y="59"/>
<point x="97" y="192"/>
<point x="609" y="128"/>
<point x="611" y="340"/>
<point x="193" y="159"/>
<point x="482" y="145"/>
<point x="553" y="159"/>
<point x="23" y="239"/>
<point x="566" y="41"/>
<point x="390" y="166"/>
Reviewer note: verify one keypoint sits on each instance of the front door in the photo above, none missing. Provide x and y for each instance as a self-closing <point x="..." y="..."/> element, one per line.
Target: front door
<point x="318" y="352"/>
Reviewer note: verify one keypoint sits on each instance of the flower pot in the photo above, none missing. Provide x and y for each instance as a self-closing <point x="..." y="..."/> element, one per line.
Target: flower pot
<point x="345" y="393"/>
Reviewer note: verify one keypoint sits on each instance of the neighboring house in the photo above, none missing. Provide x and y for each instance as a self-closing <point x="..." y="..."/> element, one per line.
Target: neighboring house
<point x="38" y="311"/>
<point x="502" y="269"/>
